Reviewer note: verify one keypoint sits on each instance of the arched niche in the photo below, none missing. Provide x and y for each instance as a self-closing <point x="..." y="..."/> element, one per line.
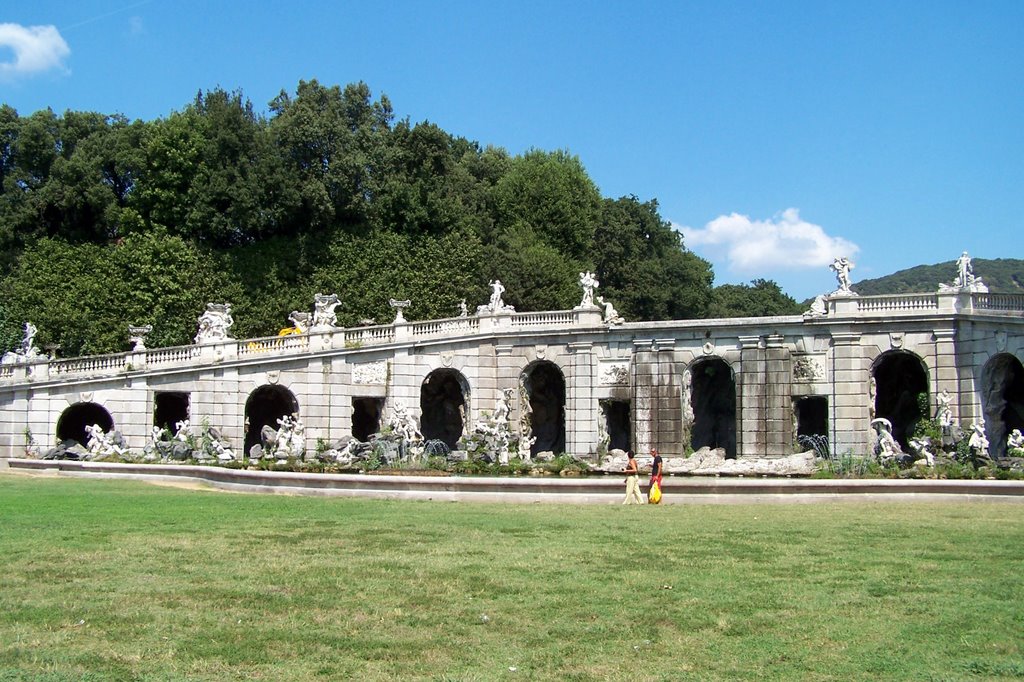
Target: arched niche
<point x="544" y="388"/>
<point x="900" y="378"/>
<point x="443" y="398"/>
<point x="73" y="420"/>
<point x="265" y="406"/>
<point x="1002" y="397"/>
<point x="169" y="408"/>
<point x="713" y="401"/>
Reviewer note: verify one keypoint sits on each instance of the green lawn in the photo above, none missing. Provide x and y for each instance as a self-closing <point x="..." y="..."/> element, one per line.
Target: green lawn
<point x="104" y="580"/>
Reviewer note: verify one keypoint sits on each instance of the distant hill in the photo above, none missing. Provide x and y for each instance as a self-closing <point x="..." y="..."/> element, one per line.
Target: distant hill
<point x="1001" y="275"/>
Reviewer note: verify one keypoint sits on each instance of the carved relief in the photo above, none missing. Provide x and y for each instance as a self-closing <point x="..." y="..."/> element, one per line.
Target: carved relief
<point x="370" y="373"/>
<point x="808" y="369"/>
<point x="614" y="374"/>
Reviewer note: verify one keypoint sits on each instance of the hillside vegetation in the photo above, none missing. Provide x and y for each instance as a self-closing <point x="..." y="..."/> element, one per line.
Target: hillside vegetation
<point x="106" y="222"/>
<point x="1002" y="275"/>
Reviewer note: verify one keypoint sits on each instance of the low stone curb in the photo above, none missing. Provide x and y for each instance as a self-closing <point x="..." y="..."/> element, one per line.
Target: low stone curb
<point x="602" y="490"/>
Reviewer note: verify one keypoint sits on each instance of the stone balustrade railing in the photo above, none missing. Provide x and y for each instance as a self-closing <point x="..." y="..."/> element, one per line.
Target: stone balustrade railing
<point x="92" y="364"/>
<point x="364" y="336"/>
<point x="272" y="344"/>
<point x="1007" y="302"/>
<point x="454" y="325"/>
<point x="898" y="303"/>
<point x="854" y="307"/>
<point x="174" y="355"/>
<point x="558" y="318"/>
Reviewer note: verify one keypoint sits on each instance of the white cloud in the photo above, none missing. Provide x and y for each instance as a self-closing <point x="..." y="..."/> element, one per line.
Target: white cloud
<point x="784" y="242"/>
<point x="36" y="49"/>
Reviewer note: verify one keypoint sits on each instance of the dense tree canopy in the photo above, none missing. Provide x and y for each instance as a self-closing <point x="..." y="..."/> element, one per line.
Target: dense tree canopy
<point x="106" y="222"/>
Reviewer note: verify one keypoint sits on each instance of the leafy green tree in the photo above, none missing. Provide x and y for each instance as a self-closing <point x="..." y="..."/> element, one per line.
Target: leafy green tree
<point x="643" y="267"/>
<point x="761" y="297"/>
<point x="551" y="194"/>
<point x="84" y="296"/>
<point x="333" y="141"/>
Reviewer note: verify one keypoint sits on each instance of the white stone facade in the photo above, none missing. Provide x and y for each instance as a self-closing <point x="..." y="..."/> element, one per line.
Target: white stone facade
<point x="653" y="370"/>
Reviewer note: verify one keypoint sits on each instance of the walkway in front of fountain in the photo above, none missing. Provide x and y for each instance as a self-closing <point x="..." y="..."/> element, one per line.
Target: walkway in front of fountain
<point x="556" y="490"/>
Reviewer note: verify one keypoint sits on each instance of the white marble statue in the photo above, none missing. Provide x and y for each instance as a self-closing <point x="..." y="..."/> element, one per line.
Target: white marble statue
<point x="842" y="266"/>
<point x="611" y="315"/>
<point x="100" y="443"/>
<point x="463" y="310"/>
<point x="214" y="323"/>
<point x="291" y="441"/>
<point x="503" y="406"/>
<point x="28" y="347"/>
<point x="964" y="271"/>
<point x="922" y="448"/>
<point x="818" y="307"/>
<point x="589" y="282"/>
<point x="965" y="278"/>
<point x="943" y="413"/>
<point x="182" y="431"/>
<point x="886" y="447"/>
<point x="496" y="304"/>
<point x="324" y="317"/>
<point x="403" y="423"/>
<point x="300" y="320"/>
<point x="978" y="442"/>
<point x="1015" y="441"/>
<point x="27" y="350"/>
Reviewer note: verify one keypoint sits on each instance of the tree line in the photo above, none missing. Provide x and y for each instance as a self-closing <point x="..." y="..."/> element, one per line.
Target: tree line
<point x="106" y="222"/>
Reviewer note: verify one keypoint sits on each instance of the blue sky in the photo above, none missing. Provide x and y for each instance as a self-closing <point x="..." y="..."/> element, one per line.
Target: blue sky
<point x="775" y="135"/>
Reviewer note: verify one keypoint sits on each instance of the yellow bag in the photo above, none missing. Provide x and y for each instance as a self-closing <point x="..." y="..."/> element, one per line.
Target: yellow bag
<point x="654" y="497"/>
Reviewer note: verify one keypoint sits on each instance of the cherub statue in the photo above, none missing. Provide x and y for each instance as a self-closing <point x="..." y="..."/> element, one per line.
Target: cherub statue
<point x="978" y="442"/>
<point x="1015" y="441"/>
<point x="842" y="266"/>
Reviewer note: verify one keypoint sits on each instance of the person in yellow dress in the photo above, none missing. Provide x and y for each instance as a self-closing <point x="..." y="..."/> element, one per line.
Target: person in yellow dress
<point x="632" y="472"/>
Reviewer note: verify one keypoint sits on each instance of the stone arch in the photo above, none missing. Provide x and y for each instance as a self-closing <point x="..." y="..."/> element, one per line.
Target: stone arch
<point x="1002" y="400"/>
<point x="264" y="407"/>
<point x="544" y="396"/>
<point x="444" y="396"/>
<point x="900" y="378"/>
<point x="713" y="401"/>
<point x="73" y="420"/>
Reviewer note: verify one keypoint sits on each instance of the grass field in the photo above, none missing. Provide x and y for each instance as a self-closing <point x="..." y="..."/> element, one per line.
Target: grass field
<point x="105" y="580"/>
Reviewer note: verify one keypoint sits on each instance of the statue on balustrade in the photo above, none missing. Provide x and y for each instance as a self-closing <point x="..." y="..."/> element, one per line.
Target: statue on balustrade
<point x="214" y="323"/>
<point x="324" y="317"/>
<point x="589" y="282"/>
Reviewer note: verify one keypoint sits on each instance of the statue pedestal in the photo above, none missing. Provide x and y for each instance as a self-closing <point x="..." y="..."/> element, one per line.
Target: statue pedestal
<point x="588" y="316"/>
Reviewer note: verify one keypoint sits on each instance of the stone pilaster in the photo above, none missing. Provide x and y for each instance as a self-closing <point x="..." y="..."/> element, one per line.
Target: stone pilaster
<point x="751" y="436"/>
<point x="946" y="376"/>
<point x="778" y="397"/>
<point x="581" y="409"/>
<point x="850" y="417"/>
